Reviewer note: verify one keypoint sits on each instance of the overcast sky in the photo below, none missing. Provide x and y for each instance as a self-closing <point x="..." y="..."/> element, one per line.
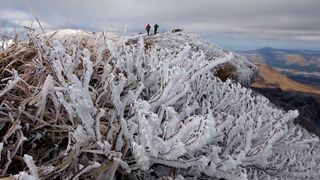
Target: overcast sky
<point x="232" y="24"/>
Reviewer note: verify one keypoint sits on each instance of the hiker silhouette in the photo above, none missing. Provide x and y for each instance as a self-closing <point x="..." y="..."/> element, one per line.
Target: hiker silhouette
<point x="148" y="27"/>
<point x="156" y="26"/>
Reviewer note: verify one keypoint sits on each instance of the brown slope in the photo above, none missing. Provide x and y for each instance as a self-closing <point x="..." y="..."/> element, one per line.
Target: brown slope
<point x="270" y="78"/>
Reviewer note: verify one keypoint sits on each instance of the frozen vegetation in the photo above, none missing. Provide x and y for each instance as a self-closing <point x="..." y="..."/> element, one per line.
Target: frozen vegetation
<point x="5" y="44"/>
<point x="78" y="105"/>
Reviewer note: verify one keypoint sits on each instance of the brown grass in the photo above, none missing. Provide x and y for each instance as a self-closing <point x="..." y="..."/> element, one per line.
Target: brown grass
<point x="47" y="133"/>
<point x="270" y="78"/>
<point x="226" y="72"/>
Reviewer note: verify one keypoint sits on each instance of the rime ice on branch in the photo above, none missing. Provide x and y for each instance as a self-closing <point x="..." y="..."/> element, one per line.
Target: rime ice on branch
<point x="141" y="104"/>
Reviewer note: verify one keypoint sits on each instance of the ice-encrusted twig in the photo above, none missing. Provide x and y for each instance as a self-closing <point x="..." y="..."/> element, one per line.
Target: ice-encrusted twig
<point x="1" y="147"/>
<point x="47" y="86"/>
<point x="11" y="83"/>
<point x="31" y="165"/>
<point x="86" y="169"/>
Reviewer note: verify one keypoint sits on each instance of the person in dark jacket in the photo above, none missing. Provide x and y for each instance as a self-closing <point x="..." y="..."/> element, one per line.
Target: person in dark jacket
<point x="156" y="26"/>
<point x="148" y="27"/>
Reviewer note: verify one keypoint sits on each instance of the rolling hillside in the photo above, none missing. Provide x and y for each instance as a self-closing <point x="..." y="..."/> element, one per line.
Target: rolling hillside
<point x="300" y="65"/>
<point x="270" y="78"/>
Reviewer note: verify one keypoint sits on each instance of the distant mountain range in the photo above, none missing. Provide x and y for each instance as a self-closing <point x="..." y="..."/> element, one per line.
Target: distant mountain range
<point x="300" y="65"/>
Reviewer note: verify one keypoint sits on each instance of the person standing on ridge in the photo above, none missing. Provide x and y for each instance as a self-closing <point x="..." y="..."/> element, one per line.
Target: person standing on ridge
<point x="156" y="28"/>
<point x="148" y="27"/>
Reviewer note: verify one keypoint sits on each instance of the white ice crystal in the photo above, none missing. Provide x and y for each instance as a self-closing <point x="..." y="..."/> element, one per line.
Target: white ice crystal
<point x="32" y="167"/>
<point x="12" y="82"/>
<point x="24" y="176"/>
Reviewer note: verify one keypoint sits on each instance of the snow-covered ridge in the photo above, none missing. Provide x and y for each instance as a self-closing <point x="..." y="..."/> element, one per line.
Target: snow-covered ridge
<point x="145" y="107"/>
<point x="245" y="71"/>
<point x="173" y="42"/>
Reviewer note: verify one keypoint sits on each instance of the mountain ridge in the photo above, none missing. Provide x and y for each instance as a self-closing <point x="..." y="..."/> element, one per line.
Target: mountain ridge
<point x="300" y="65"/>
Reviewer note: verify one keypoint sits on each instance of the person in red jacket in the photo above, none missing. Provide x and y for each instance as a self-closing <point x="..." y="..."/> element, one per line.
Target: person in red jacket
<point x="148" y="27"/>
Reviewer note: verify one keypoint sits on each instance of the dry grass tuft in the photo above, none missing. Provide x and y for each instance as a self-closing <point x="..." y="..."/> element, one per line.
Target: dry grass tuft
<point x="43" y="135"/>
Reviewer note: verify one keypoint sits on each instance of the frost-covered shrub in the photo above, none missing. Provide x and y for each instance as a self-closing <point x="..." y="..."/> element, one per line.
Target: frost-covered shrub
<point x="149" y="108"/>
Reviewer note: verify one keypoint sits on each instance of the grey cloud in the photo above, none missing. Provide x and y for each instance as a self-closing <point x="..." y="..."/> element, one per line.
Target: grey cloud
<point x="273" y="19"/>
